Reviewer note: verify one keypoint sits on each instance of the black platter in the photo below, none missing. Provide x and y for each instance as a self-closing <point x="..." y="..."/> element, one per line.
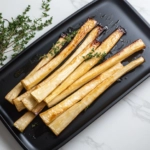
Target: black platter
<point x="111" y="13"/>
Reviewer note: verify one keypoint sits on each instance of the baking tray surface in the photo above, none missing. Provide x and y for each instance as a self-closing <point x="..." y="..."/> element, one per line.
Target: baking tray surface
<point x="111" y="13"/>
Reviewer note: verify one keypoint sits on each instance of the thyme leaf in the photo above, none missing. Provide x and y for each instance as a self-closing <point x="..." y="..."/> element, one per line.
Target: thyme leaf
<point x="55" y="49"/>
<point x="70" y="36"/>
<point x="93" y="54"/>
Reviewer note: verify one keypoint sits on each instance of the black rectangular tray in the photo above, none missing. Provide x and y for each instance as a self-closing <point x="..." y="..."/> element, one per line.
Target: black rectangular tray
<point x="112" y="13"/>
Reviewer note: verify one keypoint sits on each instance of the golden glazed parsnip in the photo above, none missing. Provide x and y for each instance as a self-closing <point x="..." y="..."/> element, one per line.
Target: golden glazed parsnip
<point x="91" y="37"/>
<point x="18" y="101"/>
<point x="42" y="92"/>
<point x="103" y="49"/>
<point x="14" y="93"/>
<point x="28" y="117"/>
<point x="24" y="121"/>
<point x="123" y="54"/>
<point x="18" y="88"/>
<point x="83" y="91"/>
<point x="28" y="101"/>
<point x="51" y="114"/>
<point x="31" y="81"/>
<point x="59" y="124"/>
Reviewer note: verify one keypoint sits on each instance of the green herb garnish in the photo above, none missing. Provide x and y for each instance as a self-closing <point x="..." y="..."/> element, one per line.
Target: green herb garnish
<point x="55" y="49"/>
<point x="70" y="36"/>
<point x="103" y="55"/>
<point x="94" y="54"/>
<point x="15" y="34"/>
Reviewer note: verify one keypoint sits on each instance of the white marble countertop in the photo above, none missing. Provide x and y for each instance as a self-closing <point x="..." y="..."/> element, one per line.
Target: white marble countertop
<point x="126" y="126"/>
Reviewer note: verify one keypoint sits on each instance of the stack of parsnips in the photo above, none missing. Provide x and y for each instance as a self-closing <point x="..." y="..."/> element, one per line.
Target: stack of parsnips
<point x="77" y="83"/>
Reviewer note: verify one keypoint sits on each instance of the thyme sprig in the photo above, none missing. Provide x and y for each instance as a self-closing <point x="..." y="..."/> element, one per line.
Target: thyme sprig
<point x="103" y="55"/>
<point x="55" y="49"/>
<point x="16" y="33"/>
<point x="93" y="54"/>
<point x="70" y="36"/>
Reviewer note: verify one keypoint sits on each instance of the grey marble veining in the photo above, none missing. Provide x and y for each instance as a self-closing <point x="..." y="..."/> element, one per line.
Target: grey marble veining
<point x="90" y="143"/>
<point x="139" y="104"/>
<point x="93" y="145"/>
<point x="140" y="107"/>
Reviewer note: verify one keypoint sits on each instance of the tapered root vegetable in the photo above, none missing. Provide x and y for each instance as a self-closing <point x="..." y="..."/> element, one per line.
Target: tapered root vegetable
<point x="87" y="87"/>
<point x="18" y="88"/>
<point x="31" y="81"/>
<point x="14" y="93"/>
<point x="59" y="124"/>
<point x="24" y="121"/>
<point x="50" y="55"/>
<point x="43" y="91"/>
<point x="126" y="52"/>
<point x="28" y="117"/>
<point x="29" y="101"/>
<point x="103" y="49"/>
<point x="91" y="37"/>
<point x="51" y="114"/>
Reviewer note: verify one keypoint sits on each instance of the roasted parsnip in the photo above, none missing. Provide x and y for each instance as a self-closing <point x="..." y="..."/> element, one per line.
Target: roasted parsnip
<point x="42" y="92"/>
<point x="28" y="117"/>
<point x="28" y="100"/>
<point x="51" y="114"/>
<point x="123" y="54"/>
<point x="18" y="88"/>
<point x="24" y="121"/>
<point x="31" y="81"/>
<point x="103" y="49"/>
<point x="59" y="124"/>
<point x="18" y="101"/>
<point x="14" y="93"/>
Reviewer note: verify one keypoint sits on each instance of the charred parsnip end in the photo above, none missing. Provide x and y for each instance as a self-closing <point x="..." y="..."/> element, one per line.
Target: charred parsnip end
<point x="126" y="52"/>
<point x="31" y="81"/>
<point x="51" y="114"/>
<point x="24" y="121"/>
<point x="43" y="91"/>
<point x="104" y="48"/>
<point x="92" y="35"/>
<point x="59" y="124"/>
